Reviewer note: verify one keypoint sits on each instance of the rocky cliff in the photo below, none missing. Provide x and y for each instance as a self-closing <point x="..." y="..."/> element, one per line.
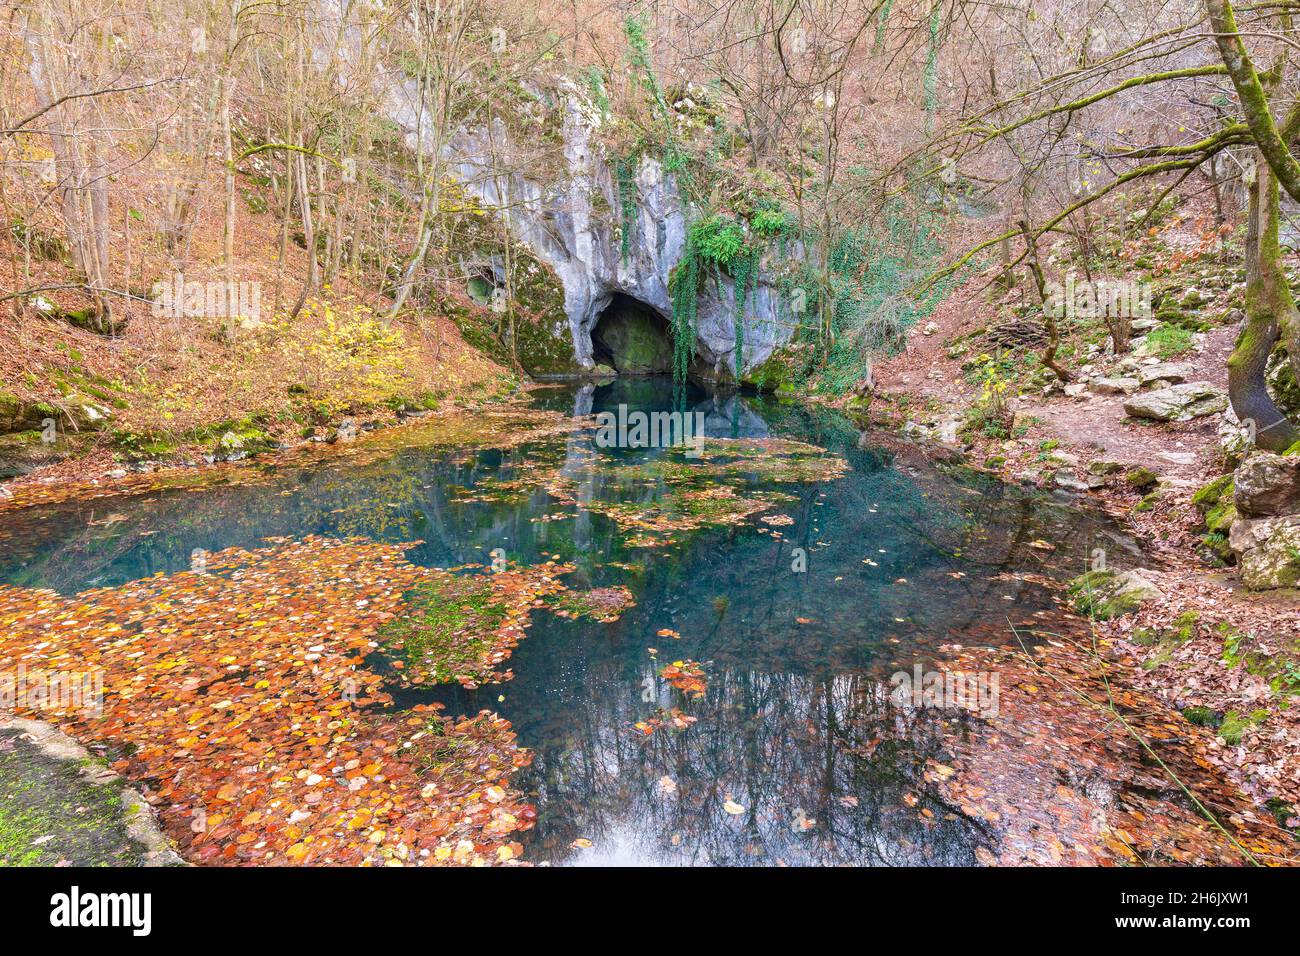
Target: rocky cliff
<point x="572" y="223"/>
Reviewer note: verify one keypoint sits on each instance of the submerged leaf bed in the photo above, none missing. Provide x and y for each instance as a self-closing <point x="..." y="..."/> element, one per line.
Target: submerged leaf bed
<point x="241" y="699"/>
<point x="605" y="605"/>
<point x="716" y="488"/>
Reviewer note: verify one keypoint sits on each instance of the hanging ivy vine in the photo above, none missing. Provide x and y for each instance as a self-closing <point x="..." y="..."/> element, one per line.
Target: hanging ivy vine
<point x="684" y="284"/>
<point x="744" y="272"/>
<point x="625" y="184"/>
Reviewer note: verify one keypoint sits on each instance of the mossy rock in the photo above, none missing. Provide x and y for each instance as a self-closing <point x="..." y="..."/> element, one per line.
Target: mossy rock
<point x="775" y="375"/>
<point x="1211" y="494"/>
<point x="23" y="452"/>
<point x="785" y="392"/>
<point x="1202" y="716"/>
<point x="16" y="415"/>
<point x="1215" y="502"/>
<point x="1103" y="594"/>
<point x="544" y="346"/>
<point x="1141" y="478"/>
<point x="1220" y="518"/>
<point x="543" y="339"/>
<point x="1148" y="502"/>
<point x="1216" y="544"/>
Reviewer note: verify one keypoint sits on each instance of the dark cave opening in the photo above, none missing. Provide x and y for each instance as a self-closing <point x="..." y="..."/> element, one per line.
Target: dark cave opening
<point x="633" y="338"/>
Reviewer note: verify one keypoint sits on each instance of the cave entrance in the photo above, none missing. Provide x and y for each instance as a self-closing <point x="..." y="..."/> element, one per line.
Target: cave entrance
<point x="633" y="338"/>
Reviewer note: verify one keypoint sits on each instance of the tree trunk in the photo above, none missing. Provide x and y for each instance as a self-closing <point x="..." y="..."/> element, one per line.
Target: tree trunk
<point x="1049" y="320"/>
<point x="1270" y="309"/>
<point x="84" y="207"/>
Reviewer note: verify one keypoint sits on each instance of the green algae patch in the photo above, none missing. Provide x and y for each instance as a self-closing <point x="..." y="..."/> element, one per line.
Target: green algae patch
<point x="500" y="427"/>
<point x="715" y="483"/>
<point x="605" y="605"/>
<point x="651" y="524"/>
<point x="449" y="629"/>
<point x="459" y="627"/>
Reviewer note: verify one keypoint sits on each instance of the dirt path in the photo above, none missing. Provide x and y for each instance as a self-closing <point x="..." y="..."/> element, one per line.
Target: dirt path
<point x="1088" y="426"/>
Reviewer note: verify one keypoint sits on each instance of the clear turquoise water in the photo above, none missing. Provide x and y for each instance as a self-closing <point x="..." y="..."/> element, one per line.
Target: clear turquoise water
<point x="793" y="727"/>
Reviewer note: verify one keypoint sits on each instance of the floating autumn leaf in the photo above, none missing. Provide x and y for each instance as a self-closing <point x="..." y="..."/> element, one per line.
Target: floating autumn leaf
<point x="686" y="676"/>
<point x="673" y="719"/>
<point x="732" y="807"/>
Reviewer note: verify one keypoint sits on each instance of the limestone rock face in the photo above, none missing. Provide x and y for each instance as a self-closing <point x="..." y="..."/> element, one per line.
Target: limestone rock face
<point x="1266" y="485"/>
<point x="24" y="452"/>
<point x="1178" y="403"/>
<point x="571" y="222"/>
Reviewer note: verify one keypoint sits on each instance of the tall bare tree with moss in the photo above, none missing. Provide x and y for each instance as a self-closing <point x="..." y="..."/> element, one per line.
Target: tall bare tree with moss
<point x="1175" y="61"/>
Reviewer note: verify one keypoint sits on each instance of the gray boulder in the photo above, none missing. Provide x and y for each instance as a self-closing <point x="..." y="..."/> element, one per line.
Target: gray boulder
<point x="1169" y="372"/>
<point x="1178" y="403"/>
<point x="1268" y="551"/>
<point x="1266" y="484"/>
<point x="1065" y="478"/>
<point x="1115" y="385"/>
